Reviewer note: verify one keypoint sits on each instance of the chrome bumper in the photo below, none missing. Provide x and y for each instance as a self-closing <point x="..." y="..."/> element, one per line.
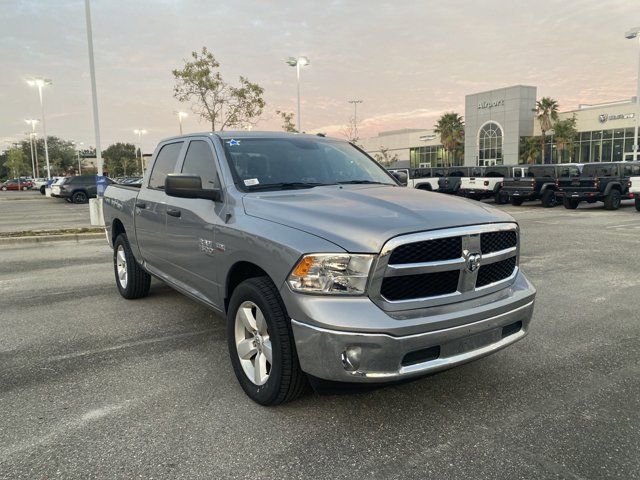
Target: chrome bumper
<point x="383" y="357"/>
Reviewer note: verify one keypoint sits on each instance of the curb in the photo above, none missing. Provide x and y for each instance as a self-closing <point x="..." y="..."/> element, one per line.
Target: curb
<point x="77" y="237"/>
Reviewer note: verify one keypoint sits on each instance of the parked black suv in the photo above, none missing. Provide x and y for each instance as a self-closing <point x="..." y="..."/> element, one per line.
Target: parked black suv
<point x="598" y="182"/>
<point x="80" y="188"/>
<point x="539" y="183"/>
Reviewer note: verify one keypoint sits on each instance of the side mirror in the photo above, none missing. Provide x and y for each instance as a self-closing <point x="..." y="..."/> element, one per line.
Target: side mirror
<point x="401" y="177"/>
<point x="189" y="186"/>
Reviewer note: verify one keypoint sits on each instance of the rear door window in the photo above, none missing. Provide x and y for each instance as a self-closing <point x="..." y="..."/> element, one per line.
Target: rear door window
<point x="165" y="163"/>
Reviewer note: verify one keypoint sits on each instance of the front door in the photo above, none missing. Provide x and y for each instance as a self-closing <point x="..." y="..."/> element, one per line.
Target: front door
<point x="191" y="225"/>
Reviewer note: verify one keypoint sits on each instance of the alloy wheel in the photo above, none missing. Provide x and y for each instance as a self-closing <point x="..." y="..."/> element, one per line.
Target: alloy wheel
<point x="253" y="344"/>
<point x="121" y="266"/>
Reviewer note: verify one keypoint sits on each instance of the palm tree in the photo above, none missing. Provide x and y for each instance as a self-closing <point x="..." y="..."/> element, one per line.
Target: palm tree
<point x="564" y="133"/>
<point x="531" y="150"/>
<point x="546" y="112"/>
<point x="450" y="127"/>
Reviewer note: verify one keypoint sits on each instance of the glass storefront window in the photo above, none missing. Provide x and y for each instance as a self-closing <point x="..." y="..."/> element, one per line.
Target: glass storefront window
<point x="606" y="134"/>
<point x="618" y="145"/>
<point x="606" y="151"/>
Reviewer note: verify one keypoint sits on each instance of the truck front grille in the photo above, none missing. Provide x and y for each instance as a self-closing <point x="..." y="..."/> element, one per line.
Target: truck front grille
<point x="445" y="266"/>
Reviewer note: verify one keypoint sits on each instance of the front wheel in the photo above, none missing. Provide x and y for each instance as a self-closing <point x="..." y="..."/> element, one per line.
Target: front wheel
<point x="638" y="204"/>
<point x="79" y="197"/>
<point x="4" y="189"/>
<point x="549" y="199"/>
<point x="42" y="190"/>
<point x="570" y="203"/>
<point x="131" y="279"/>
<point x="261" y="346"/>
<point x="613" y="200"/>
<point x="501" y="198"/>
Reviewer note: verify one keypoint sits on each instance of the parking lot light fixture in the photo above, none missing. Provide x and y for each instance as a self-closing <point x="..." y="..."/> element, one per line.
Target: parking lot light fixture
<point x="40" y="83"/>
<point x="139" y="133"/>
<point x="34" y="151"/>
<point x="298" y="62"/>
<point x="78" y="145"/>
<point x="634" y="33"/>
<point x="180" y="116"/>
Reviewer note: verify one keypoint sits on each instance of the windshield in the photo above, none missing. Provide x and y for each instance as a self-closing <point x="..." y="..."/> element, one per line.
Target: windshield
<point x="280" y="163"/>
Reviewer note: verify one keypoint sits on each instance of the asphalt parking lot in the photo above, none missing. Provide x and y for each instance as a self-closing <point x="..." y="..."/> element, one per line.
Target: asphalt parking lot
<point x="30" y="210"/>
<point x="94" y="386"/>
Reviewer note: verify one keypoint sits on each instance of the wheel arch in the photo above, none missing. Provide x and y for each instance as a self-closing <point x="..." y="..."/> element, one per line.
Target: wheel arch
<point x="238" y="273"/>
<point x="611" y="186"/>
<point x="117" y="227"/>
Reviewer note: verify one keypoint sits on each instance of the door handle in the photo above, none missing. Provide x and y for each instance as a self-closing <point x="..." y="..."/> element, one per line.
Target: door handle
<point x="141" y="205"/>
<point x="173" y="213"/>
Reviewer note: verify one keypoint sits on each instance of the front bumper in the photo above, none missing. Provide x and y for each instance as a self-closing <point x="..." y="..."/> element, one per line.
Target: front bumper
<point x="409" y="344"/>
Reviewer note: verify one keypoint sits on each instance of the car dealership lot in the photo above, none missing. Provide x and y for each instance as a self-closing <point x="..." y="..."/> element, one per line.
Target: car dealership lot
<point x="30" y="210"/>
<point x="94" y="386"/>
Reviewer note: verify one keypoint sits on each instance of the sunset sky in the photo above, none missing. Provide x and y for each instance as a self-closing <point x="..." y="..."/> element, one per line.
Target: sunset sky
<point x="409" y="61"/>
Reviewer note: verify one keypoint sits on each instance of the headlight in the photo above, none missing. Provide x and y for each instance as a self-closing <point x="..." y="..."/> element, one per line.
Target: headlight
<point x="331" y="273"/>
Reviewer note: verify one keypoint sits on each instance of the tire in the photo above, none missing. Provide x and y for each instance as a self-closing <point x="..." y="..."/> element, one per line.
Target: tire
<point x="4" y="189"/>
<point x="132" y="281"/>
<point x="570" y="203"/>
<point x="549" y="199"/>
<point x="284" y="380"/>
<point x="501" y="199"/>
<point x="612" y="201"/>
<point x="79" y="197"/>
<point x="637" y="201"/>
<point x="24" y="189"/>
<point x="42" y="190"/>
<point x="516" y="202"/>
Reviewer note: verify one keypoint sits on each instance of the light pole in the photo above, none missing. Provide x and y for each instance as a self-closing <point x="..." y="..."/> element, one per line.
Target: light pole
<point x="77" y="145"/>
<point x="180" y="116"/>
<point x="298" y="62"/>
<point x="355" y="110"/>
<point x="32" y="135"/>
<point x="40" y="83"/>
<point x="139" y="133"/>
<point x="631" y="34"/>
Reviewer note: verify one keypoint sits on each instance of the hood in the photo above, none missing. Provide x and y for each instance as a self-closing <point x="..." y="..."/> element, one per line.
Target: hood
<point x="361" y="218"/>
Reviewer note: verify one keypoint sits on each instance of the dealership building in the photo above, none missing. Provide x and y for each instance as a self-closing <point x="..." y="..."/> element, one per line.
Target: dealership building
<point x="498" y="121"/>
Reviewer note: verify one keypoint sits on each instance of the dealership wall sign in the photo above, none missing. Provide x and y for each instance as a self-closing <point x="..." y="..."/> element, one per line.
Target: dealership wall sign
<point x="603" y="117"/>
<point x="495" y="103"/>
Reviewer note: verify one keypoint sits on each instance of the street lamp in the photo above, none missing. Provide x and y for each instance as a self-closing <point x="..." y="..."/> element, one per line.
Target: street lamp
<point x="631" y="34"/>
<point x="298" y="62"/>
<point x="77" y="145"/>
<point x="40" y="83"/>
<point x="355" y="110"/>
<point x="180" y="116"/>
<point x="139" y="133"/>
<point x="32" y="139"/>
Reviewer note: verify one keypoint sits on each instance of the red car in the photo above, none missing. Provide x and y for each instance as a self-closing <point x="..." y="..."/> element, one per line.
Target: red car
<point x="13" y="184"/>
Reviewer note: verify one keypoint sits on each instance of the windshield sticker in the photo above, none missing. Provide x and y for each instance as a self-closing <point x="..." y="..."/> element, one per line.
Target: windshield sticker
<point x="233" y="142"/>
<point x="249" y="182"/>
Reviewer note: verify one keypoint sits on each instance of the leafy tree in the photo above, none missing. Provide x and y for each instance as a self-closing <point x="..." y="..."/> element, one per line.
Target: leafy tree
<point x="564" y="134"/>
<point x="530" y="150"/>
<point x="450" y="127"/>
<point x="15" y="163"/>
<point x="385" y="157"/>
<point x="220" y="103"/>
<point x="287" y="121"/>
<point x="120" y="159"/>
<point x="546" y="112"/>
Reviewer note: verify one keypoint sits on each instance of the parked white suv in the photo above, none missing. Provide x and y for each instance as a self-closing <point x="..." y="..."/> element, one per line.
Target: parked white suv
<point x="634" y="190"/>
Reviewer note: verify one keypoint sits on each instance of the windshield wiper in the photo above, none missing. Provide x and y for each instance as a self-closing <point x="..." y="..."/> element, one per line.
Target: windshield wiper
<point x="363" y="182"/>
<point x="284" y="186"/>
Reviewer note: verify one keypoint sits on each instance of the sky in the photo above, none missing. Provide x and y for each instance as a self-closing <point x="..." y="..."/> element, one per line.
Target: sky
<point x="409" y="61"/>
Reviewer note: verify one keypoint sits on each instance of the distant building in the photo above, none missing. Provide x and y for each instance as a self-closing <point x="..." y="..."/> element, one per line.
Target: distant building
<point x="497" y="122"/>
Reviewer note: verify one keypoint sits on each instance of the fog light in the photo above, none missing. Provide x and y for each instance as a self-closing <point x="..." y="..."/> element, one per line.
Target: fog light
<point x="350" y="358"/>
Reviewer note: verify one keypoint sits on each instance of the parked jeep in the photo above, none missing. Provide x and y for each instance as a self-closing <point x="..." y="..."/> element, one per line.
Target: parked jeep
<point x="490" y="183"/>
<point x="424" y="178"/>
<point x="539" y="183"/>
<point x="452" y="180"/>
<point x="598" y="182"/>
<point x="634" y="190"/>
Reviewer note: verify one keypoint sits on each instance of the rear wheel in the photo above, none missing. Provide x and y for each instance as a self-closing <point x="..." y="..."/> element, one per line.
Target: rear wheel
<point x="613" y="200"/>
<point x="261" y="346"/>
<point x="501" y="198"/>
<point x="570" y="203"/>
<point x="42" y="190"/>
<point x="638" y="204"/>
<point x="79" y="197"/>
<point x="549" y="199"/>
<point x="4" y="189"/>
<point x="516" y="202"/>
<point x="131" y="279"/>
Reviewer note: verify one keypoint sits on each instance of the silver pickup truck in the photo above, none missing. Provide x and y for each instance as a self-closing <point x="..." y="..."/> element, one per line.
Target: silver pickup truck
<point x="327" y="270"/>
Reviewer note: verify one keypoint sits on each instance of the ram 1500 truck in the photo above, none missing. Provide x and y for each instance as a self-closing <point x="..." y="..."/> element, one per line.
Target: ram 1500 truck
<point x="606" y="182"/>
<point x="325" y="267"/>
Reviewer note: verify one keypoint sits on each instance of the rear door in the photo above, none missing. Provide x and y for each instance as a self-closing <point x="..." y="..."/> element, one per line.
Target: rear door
<point x="191" y="226"/>
<point x="150" y="207"/>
